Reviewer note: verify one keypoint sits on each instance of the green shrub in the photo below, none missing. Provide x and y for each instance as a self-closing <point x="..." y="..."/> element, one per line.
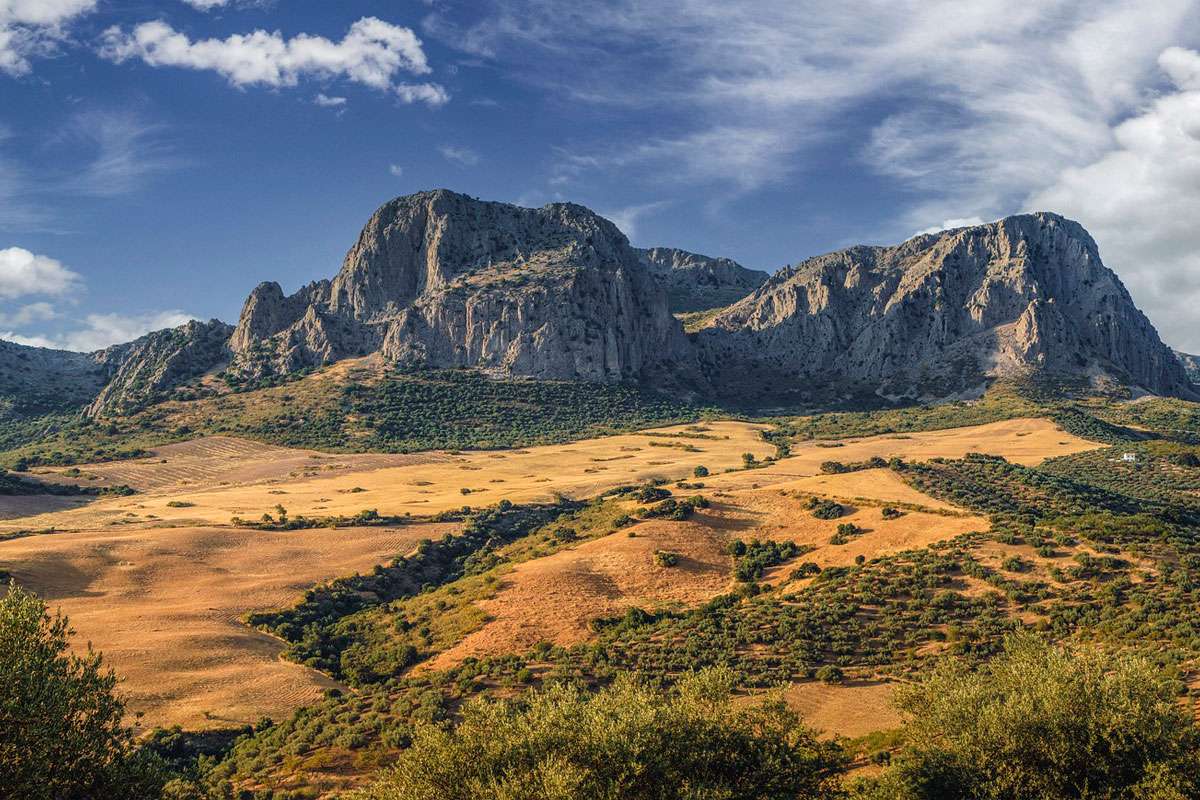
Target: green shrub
<point x="1043" y="722"/>
<point x="628" y="742"/>
<point x="62" y="733"/>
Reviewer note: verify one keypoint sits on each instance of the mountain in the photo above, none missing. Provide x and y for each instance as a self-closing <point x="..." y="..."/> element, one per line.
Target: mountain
<point x="1191" y="366"/>
<point x="115" y="380"/>
<point x="443" y="280"/>
<point x="939" y="315"/>
<point x="147" y="369"/>
<point x="697" y="283"/>
<point x="440" y="279"/>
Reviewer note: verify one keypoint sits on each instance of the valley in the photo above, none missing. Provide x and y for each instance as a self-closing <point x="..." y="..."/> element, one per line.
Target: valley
<point x="160" y="580"/>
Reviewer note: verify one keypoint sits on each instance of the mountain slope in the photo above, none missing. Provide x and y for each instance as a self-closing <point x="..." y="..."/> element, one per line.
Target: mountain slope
<point x="439" y="279"/>
<point x="941" y="314"/>
<point x="697" y="283"/>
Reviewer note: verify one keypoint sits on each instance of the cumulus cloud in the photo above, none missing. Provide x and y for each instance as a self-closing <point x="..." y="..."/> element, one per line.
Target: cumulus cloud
<point x="30" y="28"/>
<point x="23" y="273"/>
<point x="102" y="330"/>
<point x="372" y="53"/>
<point x="1141" y="201"/>
<point x="396" y="170"/>
<point x="206" y="5"/>
<point x="464" y="156"/>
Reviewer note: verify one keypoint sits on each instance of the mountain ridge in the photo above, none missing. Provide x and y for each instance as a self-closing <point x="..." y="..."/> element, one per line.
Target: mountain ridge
<point x="441" y="280"/>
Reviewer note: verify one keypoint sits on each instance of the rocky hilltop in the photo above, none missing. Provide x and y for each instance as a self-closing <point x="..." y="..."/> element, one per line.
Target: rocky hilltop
<point x="440" y="279"/>
<point x="940" y="315"/>
<point x="115" y="380"/>
<point x="697" y="283"/>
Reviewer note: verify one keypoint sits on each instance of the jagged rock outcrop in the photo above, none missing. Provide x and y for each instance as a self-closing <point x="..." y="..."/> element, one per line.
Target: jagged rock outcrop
<point x="697" y="283"/>
<point x="443" y="280"/>
<point x="146" y="369"/>
<point x="940" y="314"/>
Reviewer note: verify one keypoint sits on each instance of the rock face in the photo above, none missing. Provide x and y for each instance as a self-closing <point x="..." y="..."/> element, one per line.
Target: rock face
<point x="941" y="314"/>
<point x="697" y="283"/>
<point x="443" y="280"/>
<point x="144" y="370"/>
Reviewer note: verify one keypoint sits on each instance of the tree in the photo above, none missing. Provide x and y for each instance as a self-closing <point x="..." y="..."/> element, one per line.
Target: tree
<point x="629" y="741"/>
<point x="61" y="730"/>
<point x="1038" y="722"/>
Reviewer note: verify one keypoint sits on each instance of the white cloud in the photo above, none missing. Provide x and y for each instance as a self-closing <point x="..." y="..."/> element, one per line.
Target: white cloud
<point x="1141" y="201"/>
<point x="950" y="224"/>
<point x="396" y="170"/>
<point x="430" y="93"/>
<point x="372" y="53"/>
<point x="465" y="156"/>
<point x="102" y="330"/>
<point x="325" y="101"/>
<point x="30" y="28"/>
<point x="29" y="314"/>
<point x="206" y="5"/>
<point x="23" y="273"/>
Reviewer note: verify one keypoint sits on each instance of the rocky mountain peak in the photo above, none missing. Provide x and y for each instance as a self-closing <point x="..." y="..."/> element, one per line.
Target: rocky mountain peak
<point x="445" y="280"/>
<point x="941" y="314"/>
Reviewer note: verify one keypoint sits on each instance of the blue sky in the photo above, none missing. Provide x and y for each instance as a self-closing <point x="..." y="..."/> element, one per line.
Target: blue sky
<point x="158" y="158"/>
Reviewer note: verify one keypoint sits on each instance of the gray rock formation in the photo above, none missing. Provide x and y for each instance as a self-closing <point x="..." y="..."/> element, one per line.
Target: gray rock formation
<point x="698" y="283"/>
<point x="443" y="280"/>
<point x="1191" y="366"/>
<point x="147" y="369"/>
<point x="941" y="314"/>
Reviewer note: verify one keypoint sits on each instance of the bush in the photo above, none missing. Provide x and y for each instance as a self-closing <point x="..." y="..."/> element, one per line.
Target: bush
<point x="61" y="720"/>
<point x="627" y="741"/>
<point x="665" y="558"/>
<point x="830" y="674"/>
<point x="825" y="509"/>
<point x="1043" y="722"/>
<point x="700" y="472"/>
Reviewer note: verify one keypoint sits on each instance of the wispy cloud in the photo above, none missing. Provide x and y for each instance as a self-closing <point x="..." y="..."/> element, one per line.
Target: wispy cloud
<point x="462" y="155"/>
<point x="96" y="153"/>
<point x="371" y="53"/>
<point x="123" y="151"/>
<point x="627" y="218"/>
<point x="396" y="170"/>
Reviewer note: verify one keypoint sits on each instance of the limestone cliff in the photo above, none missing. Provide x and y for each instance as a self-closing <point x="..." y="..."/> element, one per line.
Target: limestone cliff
<point x="443" y="280"/>
<point x="941" y="314"/>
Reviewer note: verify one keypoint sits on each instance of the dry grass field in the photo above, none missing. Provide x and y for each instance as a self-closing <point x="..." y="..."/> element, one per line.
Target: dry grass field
<point x="159" y="580"/>
<point x="163" y="605"/>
